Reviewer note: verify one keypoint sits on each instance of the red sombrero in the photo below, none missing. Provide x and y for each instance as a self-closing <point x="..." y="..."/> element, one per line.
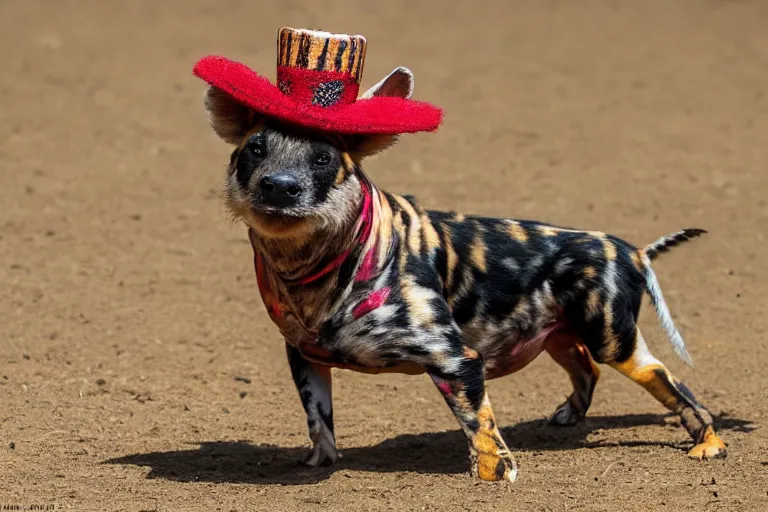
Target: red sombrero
<point x="318" y="81"/>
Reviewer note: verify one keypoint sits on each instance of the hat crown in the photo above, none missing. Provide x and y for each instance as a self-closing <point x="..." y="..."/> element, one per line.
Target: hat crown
<point x="316" y="87"/>
<point x="321" y="51"/>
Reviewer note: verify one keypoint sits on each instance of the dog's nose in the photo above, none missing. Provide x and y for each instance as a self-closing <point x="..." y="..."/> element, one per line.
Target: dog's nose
<point x="281" y="190"/>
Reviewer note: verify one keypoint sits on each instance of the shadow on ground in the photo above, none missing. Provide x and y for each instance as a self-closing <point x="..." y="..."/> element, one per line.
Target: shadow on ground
<point x="444" y="452"/>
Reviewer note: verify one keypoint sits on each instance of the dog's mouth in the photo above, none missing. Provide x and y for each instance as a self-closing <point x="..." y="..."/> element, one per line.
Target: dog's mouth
<point x="276" y="213"/>
<point x="277" y="221"/>
<point x="272" y="221"/>
<point x="277" y="216"/>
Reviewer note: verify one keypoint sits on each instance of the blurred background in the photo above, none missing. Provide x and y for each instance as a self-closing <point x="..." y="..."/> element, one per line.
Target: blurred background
<point x="137" y="366"/>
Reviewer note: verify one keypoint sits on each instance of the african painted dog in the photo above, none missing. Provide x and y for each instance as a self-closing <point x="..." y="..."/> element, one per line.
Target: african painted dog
<point x="358" y="278"/>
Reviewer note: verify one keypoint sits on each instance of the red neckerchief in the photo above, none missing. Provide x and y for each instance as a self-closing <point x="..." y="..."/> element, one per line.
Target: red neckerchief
<point x="364" y="227"/>
<point x="365" y="271"/>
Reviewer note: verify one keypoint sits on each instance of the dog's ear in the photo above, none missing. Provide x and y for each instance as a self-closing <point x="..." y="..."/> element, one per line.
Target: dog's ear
<point x="229" y="119"/>
<point x="397" y="84"/>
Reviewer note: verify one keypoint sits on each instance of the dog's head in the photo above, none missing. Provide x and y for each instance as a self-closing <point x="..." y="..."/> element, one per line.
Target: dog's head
<point x="284" y="182"/>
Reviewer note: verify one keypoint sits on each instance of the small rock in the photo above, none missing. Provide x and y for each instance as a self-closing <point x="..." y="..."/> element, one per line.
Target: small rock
<point x="243" y="394"/>
<point x="12" y="446"/>
<point x="100" y="382"/>
<point x="243" y="379"/>
<point x="25" y="356"/>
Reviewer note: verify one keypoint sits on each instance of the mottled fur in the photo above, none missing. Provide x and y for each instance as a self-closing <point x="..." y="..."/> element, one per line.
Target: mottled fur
<point x="461" y="298"/>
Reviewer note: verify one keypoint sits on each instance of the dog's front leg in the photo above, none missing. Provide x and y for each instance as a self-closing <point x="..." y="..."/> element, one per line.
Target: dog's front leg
<point x="314" y="384"/>
<point x="461" y="382"/>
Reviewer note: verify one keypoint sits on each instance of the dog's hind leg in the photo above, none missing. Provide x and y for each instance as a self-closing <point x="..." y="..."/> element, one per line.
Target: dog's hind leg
<point x="463" y="388"/>
<point x="650" y="373"/>
<point x="570" y="352"/>
<point x="314" y="384"/>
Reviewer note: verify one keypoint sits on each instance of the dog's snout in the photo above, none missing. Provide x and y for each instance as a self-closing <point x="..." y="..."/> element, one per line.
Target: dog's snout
<point x="281" y="190"/>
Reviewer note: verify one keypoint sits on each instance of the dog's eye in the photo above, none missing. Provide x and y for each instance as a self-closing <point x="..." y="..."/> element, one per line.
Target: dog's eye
<point x="321" y="158"/>
<point x="256" y="147"/>
<point x="258" y="150"/>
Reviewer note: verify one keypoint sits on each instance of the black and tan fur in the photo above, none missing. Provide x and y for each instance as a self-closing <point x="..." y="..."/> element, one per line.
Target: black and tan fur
<point x="467" y="298"/>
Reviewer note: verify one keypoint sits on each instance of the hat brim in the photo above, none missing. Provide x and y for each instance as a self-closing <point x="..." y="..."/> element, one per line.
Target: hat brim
<point x="377" y="115"/>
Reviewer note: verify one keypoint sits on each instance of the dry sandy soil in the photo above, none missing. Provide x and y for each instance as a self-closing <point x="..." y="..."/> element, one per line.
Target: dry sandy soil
<point x="127" y="299"/>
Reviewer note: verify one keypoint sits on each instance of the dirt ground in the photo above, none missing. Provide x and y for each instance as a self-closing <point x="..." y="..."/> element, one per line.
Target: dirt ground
<point x="138" y="369"/>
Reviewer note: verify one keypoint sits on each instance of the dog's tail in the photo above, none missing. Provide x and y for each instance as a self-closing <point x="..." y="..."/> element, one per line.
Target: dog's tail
<point x="650" y="252"/>
<point x="665" y="243"/>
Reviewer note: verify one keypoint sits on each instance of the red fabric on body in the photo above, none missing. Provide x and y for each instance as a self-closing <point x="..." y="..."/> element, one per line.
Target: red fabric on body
<point x="379" y="115"/>
<point x="374" y="301"/>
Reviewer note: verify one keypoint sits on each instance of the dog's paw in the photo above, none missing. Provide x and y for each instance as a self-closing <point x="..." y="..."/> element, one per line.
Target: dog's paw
<point x="495" y="467"/>
<point x="319" y="458"/>
<point x="712" y="448"/>
<point x="566" y="415"/>
<point x="324" y="452"/>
